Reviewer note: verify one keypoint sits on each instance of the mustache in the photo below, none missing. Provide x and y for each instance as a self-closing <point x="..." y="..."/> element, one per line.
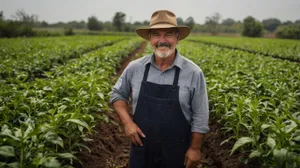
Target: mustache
<point x="163" y="44"/>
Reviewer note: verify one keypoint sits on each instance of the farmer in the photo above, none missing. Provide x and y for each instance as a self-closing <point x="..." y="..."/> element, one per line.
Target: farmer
<point x="169" y="97"/>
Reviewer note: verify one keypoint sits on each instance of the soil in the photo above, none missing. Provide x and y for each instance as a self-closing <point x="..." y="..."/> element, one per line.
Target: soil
<point x="110" y="148"/>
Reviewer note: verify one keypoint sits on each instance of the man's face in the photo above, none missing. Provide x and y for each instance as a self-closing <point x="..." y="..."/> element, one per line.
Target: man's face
<point x="163" y="41"/>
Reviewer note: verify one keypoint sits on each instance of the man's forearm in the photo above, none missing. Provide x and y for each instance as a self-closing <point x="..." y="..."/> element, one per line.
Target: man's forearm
<point x="197" y="140"/>
<point x="121" y="108"/>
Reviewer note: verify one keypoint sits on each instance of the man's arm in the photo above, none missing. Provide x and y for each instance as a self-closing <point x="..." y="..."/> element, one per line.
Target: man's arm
<point x="193" y="154"/>
<point x="197" y="140"/>
<point x="119" y="98"/>
<point x="121" y="108"/>
<point x="200" y="118"/>
<point x="131" y="129"/>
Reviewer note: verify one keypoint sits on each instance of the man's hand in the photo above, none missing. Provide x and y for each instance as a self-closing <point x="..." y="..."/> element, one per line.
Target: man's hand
<point x="133" y="131"/>
<point x="192" y="157"/>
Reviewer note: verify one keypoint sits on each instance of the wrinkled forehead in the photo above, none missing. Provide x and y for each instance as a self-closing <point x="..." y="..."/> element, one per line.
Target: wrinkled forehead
<point x="165" y="30"/>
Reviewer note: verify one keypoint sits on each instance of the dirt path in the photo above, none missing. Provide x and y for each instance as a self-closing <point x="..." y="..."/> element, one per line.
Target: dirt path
<point x="110" y="148"/>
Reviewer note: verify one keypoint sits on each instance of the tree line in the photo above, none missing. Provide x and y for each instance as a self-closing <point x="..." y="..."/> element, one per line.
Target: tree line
<point x="214" y="24"/>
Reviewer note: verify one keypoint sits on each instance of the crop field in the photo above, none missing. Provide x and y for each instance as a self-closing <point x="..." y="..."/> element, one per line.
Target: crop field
<point x="54" y="91"/>
<point x="44" y="119"/>
<point x="256" y="98"/>
<point x="279" y="48"/>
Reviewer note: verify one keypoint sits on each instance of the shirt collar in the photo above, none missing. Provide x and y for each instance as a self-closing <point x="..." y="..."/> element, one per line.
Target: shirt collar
<point x="177" y="62"/>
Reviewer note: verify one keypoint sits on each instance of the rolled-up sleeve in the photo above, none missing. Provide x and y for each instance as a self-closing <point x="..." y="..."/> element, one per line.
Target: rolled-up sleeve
<point x="199" y="104"/>
<point x="122" y="88"/>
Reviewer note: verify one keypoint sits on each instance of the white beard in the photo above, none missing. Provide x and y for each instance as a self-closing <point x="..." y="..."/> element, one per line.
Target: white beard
<point x="164" y="54"/>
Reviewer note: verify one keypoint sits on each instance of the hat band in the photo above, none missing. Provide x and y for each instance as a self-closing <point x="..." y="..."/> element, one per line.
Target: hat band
<point x="162" y="23"/>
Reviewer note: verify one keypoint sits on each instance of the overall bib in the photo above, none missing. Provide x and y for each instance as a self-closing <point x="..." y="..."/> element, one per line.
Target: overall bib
<point x="158" y="114"/>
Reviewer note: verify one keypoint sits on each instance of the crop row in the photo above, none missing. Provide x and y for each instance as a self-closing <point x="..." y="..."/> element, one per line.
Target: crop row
<point x="257" y="100"/>
<point x="279" y="48"/>
<point x="26" y="58"/>
<point x="44" y="122"/>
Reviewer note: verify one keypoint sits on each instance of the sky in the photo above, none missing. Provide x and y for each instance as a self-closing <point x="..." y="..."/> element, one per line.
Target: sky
<point x="53" y="11"/>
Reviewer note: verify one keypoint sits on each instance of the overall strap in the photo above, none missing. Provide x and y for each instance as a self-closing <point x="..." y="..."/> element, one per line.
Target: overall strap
<point x="176" y="77"/>
<point x="146" y="72"/>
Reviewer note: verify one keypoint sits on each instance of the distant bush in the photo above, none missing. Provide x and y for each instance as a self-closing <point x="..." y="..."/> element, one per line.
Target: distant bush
<point x="69" y="32"/>
<point x="44" y="33"/>
<point x="289" y="32"/>
<point x="10" y="29"/>
<point x="252" y="28"/>
<point x="15" y="29"/>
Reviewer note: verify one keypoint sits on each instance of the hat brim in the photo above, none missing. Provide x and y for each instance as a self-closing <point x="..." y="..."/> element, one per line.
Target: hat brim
<point x="184" y="31"/>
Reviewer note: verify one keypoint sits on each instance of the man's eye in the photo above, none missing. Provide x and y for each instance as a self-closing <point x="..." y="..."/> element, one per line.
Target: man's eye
<point x="168" y="35"/>
<point x="156" y="35"/>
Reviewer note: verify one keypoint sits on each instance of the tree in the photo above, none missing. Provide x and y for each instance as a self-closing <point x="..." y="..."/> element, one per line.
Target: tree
<point x="77" y="25"/>
<point x="137" y="23"/>
<point x="212" y="23"/>
<point x="297" y="21"/>
<point x="228" y="22"/>
<point x="24" y="18"/>
<point x="289" y="32"/>
<point x="1" y="16"/>
<point x="252" y="28"/>
<point x="190" y="22"/>
<point x="94" y="24"/>
<point x="179" y="21"/>
<point x="271" y="24"/>
<point x="146" y="22"/>
<point x="128" y="27"/>
<point x="44" y="24"/>
<point x="288" y="22"/>
<point x="107" y="26"/>
<point x="119" y="21"/>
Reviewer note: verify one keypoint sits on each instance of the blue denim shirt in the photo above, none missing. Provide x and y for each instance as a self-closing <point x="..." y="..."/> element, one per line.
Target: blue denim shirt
<point x="192" y="93"/>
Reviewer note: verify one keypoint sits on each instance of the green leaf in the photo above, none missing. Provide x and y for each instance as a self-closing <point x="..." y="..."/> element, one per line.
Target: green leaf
<point x="49" y="162"/>
<point x="53" y="138"/>
<point x="62" y="108"/>
<point x="47" y="88"/>
<point x="18" y="132"/>
<point x="87" y="139"/>
<point x="296" y="136"/>
<point x="24" y="108"/>
<point x="84" y="146"/>
<point x="104" y="118"/>
<point x="271" y="142"/>
<point x="7" y="132"/>
<point x="66" y="155"/>
<point x="2" y="164"/>
<point x="264" y="126"/>
<point x="255" y="153"/>
<point x="81" y="123"/>
<point x="58" y="141"/>
<point x="3" y="108"/>
<point x="7" y="151"/>
<point x="28" y="131"/>
<point x="227" y="140"/>
<point x="67" y="99"/>
<point x="100" y="95"/>
<point x="14" y="165"/>
<point x="280" y="156"/>
<point x="241" y="142"/>
<point x="290" y="126"/>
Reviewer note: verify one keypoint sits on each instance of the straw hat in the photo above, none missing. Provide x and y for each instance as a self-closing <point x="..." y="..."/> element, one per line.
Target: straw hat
<point x="163" y="19"/>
